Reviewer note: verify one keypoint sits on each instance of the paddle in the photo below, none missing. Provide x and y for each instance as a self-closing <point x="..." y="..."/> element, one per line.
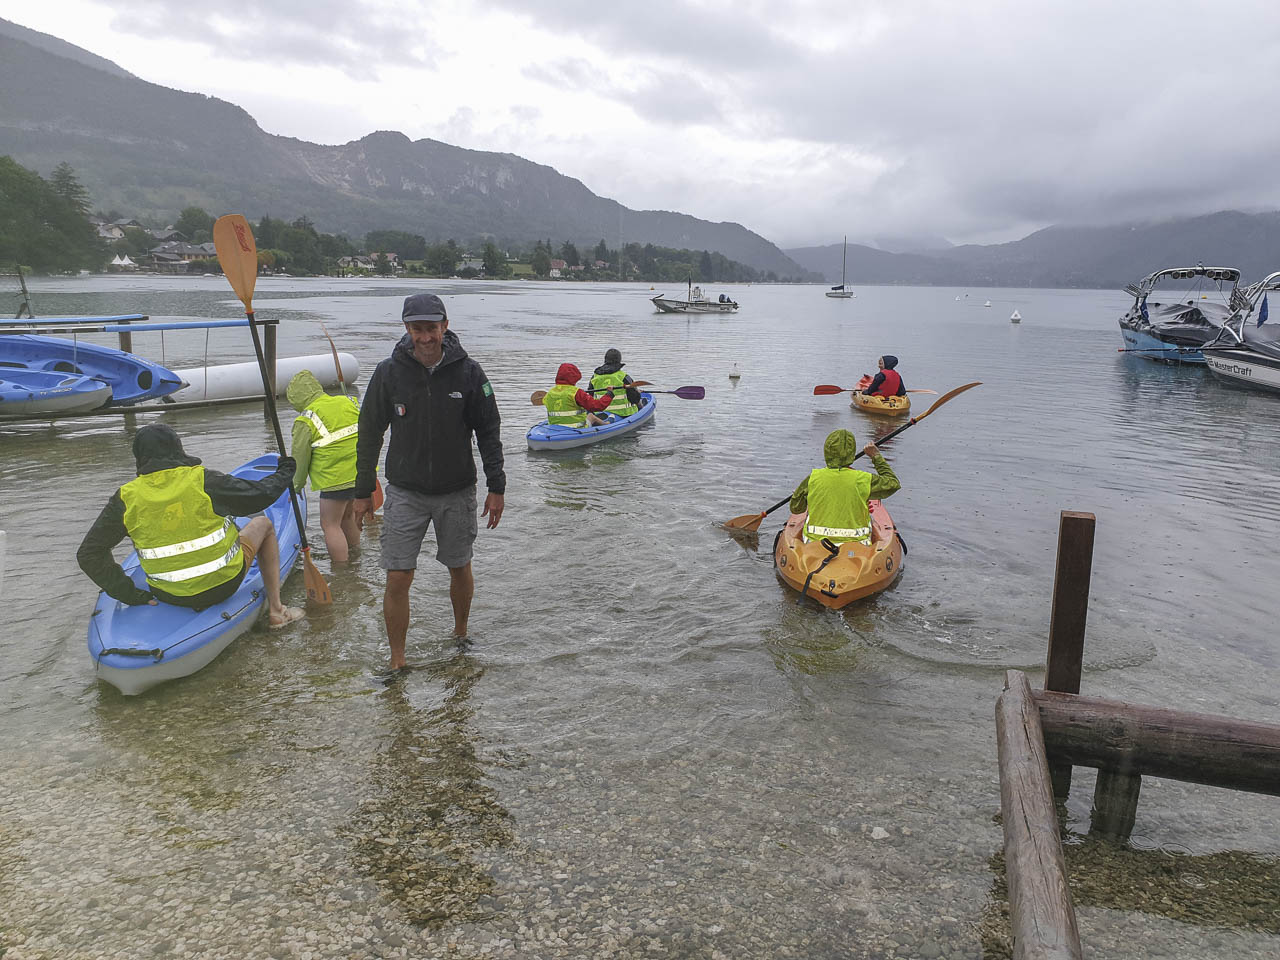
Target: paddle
<point x="684" y="393"/>
<point x="752" y="521"/>
<point x="238" y="256"/>
<point x="827" y="389"/>
<point x="633" y="383"/>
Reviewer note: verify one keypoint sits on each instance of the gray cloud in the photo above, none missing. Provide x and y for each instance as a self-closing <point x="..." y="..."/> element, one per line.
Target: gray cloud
<point x="661" y="96"/>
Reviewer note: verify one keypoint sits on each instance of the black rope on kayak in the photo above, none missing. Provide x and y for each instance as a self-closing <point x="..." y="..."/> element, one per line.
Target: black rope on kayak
<point x="905" y="551"/>
<point x="833" y="551"/>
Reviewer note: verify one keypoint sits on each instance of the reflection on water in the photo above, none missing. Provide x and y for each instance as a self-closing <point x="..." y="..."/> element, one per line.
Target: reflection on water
<point x="428" y="810"/>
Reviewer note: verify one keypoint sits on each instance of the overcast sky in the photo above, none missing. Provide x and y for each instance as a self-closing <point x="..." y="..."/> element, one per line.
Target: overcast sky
<point x="978" y="121"/>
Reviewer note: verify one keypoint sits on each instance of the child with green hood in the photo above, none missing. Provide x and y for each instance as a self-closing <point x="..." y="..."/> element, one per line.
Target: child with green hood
<point x="324" y="444"/>
<point x="836" y="495"/>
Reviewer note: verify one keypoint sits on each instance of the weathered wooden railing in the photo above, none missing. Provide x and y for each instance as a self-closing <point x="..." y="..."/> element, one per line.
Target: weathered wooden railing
<point x="1042" y="734"/>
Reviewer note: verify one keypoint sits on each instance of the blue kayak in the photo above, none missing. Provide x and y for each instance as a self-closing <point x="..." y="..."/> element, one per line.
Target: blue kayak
<point x="544" y="436"/>
<point x="132" y="379"/>
<point x="135" y="648"/>
<point x="36" y="393"/>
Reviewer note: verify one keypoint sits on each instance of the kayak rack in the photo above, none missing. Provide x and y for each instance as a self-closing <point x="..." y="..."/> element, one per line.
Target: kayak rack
<point x="1041" y="734"/>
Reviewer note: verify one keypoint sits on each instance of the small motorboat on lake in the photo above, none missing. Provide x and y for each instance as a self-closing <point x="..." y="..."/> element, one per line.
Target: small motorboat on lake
<point x="135" y="648"/>
<point x="1246" y="350"/>
<point x="1175" y="327"/>
<point x="546" y="436"/>
<point x="839" y="574"/>
<point x="39" y="393"/>
<point x="695" y="303"/>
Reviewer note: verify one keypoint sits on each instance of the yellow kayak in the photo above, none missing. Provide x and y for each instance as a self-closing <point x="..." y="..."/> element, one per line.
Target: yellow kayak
<point x="890" y="406"/>
<point x="854" y="571"/>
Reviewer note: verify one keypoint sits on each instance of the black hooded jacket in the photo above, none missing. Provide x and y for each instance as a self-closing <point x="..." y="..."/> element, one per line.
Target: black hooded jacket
<point x="633" y="395"/>
<point x="157" y="447"/>
<point x="432" y="416"/>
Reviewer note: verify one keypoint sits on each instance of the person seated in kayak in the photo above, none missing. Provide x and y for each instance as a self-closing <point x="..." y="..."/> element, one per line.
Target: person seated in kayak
<point x="609" y="376"/>
<point x="888" y="382"/>
<point x="178" y="515"/>
<point x="836" y="495"/>
<point x="324" y="445"/>
<point x="567" y="406"/>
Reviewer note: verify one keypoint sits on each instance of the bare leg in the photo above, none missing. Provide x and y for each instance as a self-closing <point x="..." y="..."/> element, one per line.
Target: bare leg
<point x="462" y="587"/>
<point x="332" y="519"/>
<point x="595" y="421"/>
<point x="350" y="528"/>
<point x="395" y="611"/>
<point x="259" y="534"/>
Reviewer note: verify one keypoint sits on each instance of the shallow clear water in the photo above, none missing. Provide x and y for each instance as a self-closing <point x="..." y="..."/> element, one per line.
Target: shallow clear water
<point x="664" y="753"/>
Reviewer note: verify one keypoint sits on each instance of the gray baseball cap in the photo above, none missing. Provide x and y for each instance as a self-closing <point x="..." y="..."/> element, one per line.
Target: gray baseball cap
<point x="423" y="306"/>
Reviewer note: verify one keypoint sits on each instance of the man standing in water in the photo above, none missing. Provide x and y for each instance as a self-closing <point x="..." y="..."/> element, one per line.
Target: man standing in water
<point x="434" y="397"/>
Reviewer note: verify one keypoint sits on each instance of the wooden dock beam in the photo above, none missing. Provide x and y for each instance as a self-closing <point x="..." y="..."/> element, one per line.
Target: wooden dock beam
<point x="1042" y="915"/>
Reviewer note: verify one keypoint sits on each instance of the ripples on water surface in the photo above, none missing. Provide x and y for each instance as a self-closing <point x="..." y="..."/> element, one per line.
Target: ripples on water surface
<point x="650" y="746"/>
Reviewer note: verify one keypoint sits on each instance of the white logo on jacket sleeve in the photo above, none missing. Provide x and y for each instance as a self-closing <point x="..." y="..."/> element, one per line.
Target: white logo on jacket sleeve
<point x="456" y="395"/>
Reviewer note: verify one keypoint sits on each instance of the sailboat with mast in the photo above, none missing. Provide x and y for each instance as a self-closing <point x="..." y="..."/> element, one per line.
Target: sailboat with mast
<point x="841" y="292"/>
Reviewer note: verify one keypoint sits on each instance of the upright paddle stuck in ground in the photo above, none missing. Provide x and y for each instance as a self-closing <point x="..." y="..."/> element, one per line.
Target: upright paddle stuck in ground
<point x="238" y="256"/>
<point x="830" y="389"/>
<point x="750" y="522"/>
<point x="684" y="393"/>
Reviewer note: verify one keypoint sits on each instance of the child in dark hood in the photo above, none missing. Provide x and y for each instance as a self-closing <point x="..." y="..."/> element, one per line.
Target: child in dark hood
<point x="609" y="376"/>
<point x="888" y="382"/>
<point x="179" y="516"/>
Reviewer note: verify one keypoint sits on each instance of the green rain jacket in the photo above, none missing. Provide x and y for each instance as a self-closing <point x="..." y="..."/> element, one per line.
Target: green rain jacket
<point x="839" y="451"/>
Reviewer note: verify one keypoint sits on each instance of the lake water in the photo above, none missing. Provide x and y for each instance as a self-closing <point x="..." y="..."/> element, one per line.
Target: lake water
<point x="650" y="748"/>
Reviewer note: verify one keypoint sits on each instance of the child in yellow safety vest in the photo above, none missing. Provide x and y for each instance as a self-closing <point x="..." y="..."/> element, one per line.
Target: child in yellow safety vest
<point x="569" y="406"/>
<point x="836" y="496"/>
<point x="324" y="444"/>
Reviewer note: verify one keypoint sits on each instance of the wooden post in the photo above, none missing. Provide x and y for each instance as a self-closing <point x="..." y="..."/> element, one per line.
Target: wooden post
<point x="126" y="339"/>
<point x="1115" y="804"/>
<point x="1040" y="908"/>
<point x="1067" y="619"/>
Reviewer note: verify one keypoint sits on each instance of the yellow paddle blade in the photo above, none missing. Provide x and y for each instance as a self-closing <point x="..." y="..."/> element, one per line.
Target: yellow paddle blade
<point x="238" y="255"/>
<point x="748" y="521"/>
<point x="317" y="590"/>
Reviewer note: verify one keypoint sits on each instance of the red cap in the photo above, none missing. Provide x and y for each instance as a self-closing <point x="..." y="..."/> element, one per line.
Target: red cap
<point x="568" y="373"/>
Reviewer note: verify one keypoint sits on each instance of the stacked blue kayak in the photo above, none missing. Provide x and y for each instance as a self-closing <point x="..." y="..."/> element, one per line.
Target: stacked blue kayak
<point x="547" y="436"/>
<point x="131" y="378"/>
<point x="135" y="648"/>
<point x="29" y="393"/>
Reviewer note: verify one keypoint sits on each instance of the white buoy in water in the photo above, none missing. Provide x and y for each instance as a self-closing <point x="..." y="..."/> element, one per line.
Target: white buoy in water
<point x="1016" y="317"/>
<point x="987" y="304"/>
<point x="243" y="379"/>
<point x="734" y="374"/>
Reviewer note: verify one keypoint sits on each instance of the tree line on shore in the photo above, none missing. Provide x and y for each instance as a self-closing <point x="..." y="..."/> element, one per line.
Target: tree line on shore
<point x="46" y="226"/>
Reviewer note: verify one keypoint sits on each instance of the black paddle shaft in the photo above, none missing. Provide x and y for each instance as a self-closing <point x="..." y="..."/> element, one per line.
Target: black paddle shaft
<point x="861" y="453"/>
<point x="275" y="421"/>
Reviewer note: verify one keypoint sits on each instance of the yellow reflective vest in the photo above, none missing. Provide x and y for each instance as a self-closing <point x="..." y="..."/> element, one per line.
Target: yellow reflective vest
<point x="838" y="505"/>
<point x="185" y="548"/>
<point x="615" y="381"/>
<point x="334" y="425"/>
<point x="562" y="408"/>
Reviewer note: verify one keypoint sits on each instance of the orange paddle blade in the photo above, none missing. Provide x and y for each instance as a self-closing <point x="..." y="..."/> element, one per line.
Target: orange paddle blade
<point x="748" y="521"/>
<point x="237" y="255"/>
<point x="827" y="389"/>
<point x="317" y="589"/>
<point x="537" y="397"/>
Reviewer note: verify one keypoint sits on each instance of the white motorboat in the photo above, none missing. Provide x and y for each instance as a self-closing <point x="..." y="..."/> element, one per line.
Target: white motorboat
<point x="1173" y="328"/>
<point x="695" y="303"/>
<point x="842" y="292"/>
<point x="1246" y="350"/>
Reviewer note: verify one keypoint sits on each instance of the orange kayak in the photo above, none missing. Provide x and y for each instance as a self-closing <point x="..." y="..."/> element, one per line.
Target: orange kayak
<point x="854" y="571"/>
<point x="886" y="405"/>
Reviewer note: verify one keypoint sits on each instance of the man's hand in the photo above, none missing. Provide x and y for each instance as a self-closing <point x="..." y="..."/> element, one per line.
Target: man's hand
<point x="363" y="506"/>
<point x="871" y="450"/>
<point x="492" y="509"/>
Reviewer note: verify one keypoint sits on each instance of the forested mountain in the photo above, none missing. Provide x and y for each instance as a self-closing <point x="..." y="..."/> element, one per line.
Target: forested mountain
<point x="151" y="151"/>
<point x="1071" y="256"/>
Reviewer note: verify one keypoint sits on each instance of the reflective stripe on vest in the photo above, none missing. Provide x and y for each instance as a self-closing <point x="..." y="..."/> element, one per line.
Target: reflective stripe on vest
<point x="615" y="381"/>
<point x="837" y="500"/>
<point x="190" y="573"/>
<point x="562" y="407"/>
<point x="182" y="544"/>
<point x="325" y="438"/>
<point x="186" y="546"/>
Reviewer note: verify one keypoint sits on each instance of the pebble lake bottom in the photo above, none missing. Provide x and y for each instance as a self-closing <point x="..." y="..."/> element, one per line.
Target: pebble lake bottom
<point x="648" y="748"/>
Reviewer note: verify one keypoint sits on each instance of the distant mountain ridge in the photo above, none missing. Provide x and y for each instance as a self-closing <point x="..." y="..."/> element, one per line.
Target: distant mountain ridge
<point x="150" y="151"/>
<point x="1099" y="257"/>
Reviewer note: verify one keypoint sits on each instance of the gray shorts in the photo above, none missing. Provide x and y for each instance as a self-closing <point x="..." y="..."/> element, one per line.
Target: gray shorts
<point x="406" y="514"/>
